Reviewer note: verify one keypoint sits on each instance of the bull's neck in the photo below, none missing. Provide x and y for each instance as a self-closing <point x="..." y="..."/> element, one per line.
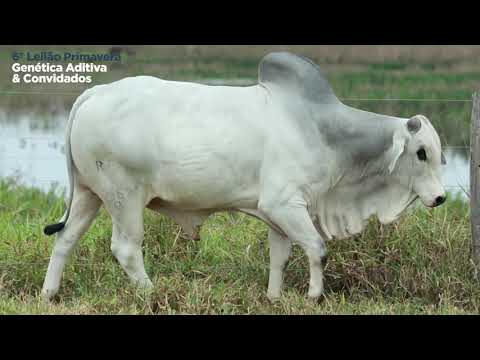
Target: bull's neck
<point x="361" y="134"/>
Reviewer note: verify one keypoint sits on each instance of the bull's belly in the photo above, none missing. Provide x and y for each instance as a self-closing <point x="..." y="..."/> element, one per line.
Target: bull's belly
<point x="206" y="186"/>
<point x="187" y="197"/>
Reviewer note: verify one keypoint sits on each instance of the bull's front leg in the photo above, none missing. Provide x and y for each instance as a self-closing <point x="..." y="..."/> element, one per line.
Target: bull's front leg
<point x="294" y="220"/>
<point x="280" y="249"/>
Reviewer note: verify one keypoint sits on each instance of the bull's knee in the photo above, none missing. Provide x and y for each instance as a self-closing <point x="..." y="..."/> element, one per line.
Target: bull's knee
<point x="123" y="253"/>
<point x="317" y="252"/>
<point x="130" y="258"/>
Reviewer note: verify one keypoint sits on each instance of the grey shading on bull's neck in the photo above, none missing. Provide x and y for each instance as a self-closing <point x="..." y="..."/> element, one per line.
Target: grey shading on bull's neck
<point x="364" y="134"/>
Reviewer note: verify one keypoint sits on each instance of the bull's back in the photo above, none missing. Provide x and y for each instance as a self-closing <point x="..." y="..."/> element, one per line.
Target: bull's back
<point x="194" y="144"/>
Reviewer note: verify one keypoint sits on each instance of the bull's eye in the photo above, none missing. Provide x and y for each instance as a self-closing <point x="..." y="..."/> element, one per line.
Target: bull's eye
<point x="422" y="155"/>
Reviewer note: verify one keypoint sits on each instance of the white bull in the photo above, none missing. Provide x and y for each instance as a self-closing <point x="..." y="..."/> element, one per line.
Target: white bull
<point x="285" y="150"/>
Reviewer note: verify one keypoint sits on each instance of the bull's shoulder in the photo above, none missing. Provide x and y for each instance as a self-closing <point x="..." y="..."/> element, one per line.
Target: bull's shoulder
<point x="296" y="74"/>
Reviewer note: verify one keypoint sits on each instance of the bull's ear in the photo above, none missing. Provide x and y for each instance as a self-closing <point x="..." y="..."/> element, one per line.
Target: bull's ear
<point x="414" y="124"/>
<point x="396" y="151"/>
<point x="443" y="160"/>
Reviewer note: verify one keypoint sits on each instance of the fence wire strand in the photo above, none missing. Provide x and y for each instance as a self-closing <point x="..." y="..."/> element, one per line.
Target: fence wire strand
<point x="49" y="92"/>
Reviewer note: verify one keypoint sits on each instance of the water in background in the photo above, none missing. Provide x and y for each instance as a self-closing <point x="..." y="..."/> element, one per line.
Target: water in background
<point x="32" y="150"/>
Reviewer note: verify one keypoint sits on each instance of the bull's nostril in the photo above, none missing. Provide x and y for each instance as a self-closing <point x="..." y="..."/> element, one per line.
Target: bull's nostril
<point x="440" y="200"/>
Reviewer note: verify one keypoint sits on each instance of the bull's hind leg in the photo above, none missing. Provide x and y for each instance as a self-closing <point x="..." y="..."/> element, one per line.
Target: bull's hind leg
<point x="85" y="205"/>
<point x="126" y="210"/>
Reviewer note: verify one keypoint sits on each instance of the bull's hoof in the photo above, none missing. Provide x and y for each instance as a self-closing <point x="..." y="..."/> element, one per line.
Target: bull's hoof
<point x="273" y="298"/>
<point x="196" y="234"/>
<point x="47" y="295"/>
<point x="144" y="289"/>
<point x="315" y="293"/>
<point x="316" y="299"/>
<point x="324" y="260"/>
<point x="144" y="284"/>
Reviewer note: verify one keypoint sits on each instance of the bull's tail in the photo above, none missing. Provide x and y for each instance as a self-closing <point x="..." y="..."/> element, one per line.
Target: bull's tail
<point x="53" y="228"/>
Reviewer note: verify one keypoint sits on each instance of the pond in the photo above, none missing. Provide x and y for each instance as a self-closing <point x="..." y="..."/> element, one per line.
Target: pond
<point x="32" y="151"/>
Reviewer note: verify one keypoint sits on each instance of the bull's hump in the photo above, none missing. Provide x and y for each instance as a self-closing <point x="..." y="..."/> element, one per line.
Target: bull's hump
<point x="296" y="74"/>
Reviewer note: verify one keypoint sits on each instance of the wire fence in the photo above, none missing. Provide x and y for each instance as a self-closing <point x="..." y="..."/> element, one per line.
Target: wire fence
<point x="75" y="93"/>
<point x="58" y="142"/>
<point x="55" y="142"/>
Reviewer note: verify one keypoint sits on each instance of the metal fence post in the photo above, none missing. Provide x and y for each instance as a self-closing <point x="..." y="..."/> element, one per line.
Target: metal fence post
<point x="475" y="179"/>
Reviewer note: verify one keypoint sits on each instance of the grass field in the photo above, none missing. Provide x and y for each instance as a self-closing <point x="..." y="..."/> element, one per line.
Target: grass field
<point x="419" y="266"/>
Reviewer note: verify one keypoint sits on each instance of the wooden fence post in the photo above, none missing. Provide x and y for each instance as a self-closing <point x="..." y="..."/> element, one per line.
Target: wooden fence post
<point x="475" y="179"/>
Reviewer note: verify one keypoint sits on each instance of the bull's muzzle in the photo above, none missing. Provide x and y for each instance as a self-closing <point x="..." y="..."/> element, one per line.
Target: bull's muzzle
<point x="439" y="200"/>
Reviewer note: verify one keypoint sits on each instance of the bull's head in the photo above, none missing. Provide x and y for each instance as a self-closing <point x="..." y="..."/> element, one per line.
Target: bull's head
<point x="416" y="158"/>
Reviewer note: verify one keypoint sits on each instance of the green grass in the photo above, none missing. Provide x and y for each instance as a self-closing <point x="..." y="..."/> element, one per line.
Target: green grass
<point x="419" y="266"/>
